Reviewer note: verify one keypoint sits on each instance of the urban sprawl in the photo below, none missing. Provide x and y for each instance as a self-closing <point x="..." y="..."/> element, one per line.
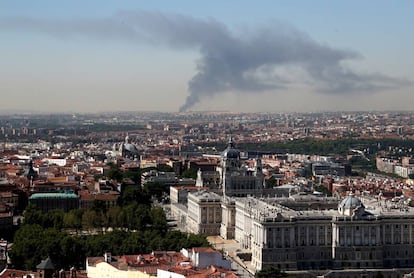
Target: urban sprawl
<point x="207" y="194"/>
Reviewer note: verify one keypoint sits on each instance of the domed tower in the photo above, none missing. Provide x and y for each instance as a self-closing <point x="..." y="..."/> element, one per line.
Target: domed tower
<point x="230" y="157"/>
<point x="230" y="162"/>
<point x="127" y="149"/>
<point x="350" y="206"/>
<point x="236" y="178"/>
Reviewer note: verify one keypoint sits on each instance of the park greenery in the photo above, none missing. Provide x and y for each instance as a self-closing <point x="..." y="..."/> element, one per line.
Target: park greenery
<point x="328" y="147"/>
<point x="134" y="226"/>
<point x="394" y="148"/>
<point x="68" y="238"/>
<point x="271" y="272"/>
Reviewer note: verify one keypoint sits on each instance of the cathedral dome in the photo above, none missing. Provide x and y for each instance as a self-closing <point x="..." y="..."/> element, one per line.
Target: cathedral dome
<point x="231" y="151"/>
<point x="127" y="148"/>
<point x="130" y="148"/>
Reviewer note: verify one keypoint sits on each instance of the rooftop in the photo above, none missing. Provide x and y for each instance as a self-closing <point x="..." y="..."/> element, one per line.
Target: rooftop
<point x="59" y="195"/>
<point x="277" y="209"/>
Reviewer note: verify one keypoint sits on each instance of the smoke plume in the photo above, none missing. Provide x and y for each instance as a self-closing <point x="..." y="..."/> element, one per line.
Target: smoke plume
<point x="246" y="60"/>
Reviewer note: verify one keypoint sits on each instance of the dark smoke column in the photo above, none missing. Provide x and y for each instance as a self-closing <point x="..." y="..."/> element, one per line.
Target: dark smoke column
<point x="189" y="102"/>
<point x="197" y="87"/>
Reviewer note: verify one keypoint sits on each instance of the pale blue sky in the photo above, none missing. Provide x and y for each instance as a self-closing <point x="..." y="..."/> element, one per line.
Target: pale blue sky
<point x="89" y="56"/>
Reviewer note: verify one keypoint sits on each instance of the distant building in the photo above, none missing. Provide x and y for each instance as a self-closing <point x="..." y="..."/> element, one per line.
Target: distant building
<point x="194" y="262"/>
<point x="334" y="169"/>
<point x="385" y="165"/>
<point x="127" y="149"/>
<point x="48" y="201"/>
<point x="10" y="199"/>
<point x="167" y="178"/>
<point x="237" y="179"/>
<point x="45" y="269"/>
<point x="80" y="167"/>
<point x="203" y="257"/>
<point x="204" y="213"/>
<point x="87" y="199"/>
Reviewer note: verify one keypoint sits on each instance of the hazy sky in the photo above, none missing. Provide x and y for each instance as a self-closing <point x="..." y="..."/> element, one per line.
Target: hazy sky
<point x="246" y="56"/>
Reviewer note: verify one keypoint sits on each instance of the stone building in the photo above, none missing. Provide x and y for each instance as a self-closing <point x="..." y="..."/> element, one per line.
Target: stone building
<point x="286" y="231"/>
<point x="237" y="179"/>
<point x="65" y="201"/>
<point x="350" y="236"/>
<point x="204" y="212"/>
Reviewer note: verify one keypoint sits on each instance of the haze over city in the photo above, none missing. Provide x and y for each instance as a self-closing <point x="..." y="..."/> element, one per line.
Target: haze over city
<point x="241" y="56"/>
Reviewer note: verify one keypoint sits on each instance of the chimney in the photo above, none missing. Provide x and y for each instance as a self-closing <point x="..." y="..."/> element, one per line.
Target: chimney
<point x="108" y="257"/>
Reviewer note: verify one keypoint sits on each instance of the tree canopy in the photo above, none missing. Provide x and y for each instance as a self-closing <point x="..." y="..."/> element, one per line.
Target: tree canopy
<point x="136" y="228"/>
<point x="270" y="272"/>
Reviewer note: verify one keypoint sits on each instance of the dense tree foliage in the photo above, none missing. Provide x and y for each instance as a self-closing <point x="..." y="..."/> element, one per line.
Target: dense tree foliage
<point x="190" y="173"/>
<point x="329" y="147"/>
<point x="164" y="168"/>
<point x="136" y="228"/>
<point x="115" y="174"/>
<point x="73" y="219"/>
<point x="270" y="183"/>
<point x="156" y="189"/>
<point x="134" y="194"/>
<point x="134" y="175"/>
<point x="32" y="243"/>
<point x="130" y="217"/>
<point x="99" y="127"/>
<point x="26" y="248"/>
<point x="270" y="272"/>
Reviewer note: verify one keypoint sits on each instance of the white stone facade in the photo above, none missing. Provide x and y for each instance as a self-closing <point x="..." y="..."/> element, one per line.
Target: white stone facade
<point x="301" y="231"/>
<point x="349" y="238"/>
<point x="204" y="213"/>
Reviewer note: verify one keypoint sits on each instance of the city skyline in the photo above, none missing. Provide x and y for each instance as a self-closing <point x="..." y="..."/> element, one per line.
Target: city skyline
<point x="236" y="56"/>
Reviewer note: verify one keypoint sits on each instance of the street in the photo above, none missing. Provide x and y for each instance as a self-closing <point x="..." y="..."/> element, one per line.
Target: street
<point x="230" y="248"/>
